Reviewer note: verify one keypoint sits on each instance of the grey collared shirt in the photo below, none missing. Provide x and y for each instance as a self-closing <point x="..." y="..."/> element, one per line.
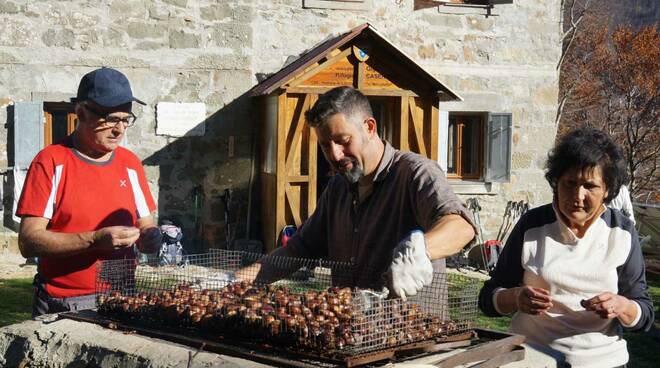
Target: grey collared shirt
<point x="409" y="192"/>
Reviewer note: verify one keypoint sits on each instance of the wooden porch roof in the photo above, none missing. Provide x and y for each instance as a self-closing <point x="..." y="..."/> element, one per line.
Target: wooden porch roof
<point x="365" y="31"/>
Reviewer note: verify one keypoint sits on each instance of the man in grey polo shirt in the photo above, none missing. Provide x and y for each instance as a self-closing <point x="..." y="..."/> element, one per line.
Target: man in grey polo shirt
<point x="388" y="212"/>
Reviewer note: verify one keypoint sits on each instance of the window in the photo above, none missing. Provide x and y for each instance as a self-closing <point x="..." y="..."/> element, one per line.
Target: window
<point x="465" y="158"/>
<point x="475" y="146"/>
<point x="60" y="121"/>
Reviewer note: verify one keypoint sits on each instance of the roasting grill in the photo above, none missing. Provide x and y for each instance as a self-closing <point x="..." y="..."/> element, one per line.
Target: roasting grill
<point x="311" y="308"/>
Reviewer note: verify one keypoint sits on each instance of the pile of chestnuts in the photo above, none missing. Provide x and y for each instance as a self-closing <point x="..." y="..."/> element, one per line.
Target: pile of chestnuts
<point x="317" y="320"/>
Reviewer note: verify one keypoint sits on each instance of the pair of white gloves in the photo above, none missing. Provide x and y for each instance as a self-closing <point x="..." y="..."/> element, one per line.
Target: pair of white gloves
<point x="411" y="267"/>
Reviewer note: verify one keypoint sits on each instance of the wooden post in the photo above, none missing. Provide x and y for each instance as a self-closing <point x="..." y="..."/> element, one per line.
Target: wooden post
<point x="417" y="125"/>
<point x="403" y="135"/>
<point x="434" y="125"/>
<point x="360" y="75"/>
<point x="280" y="165"/>
<point x="313" y="173"/>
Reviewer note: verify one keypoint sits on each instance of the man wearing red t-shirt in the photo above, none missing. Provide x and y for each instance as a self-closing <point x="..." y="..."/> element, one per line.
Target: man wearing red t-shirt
<point x="86" y="198"/>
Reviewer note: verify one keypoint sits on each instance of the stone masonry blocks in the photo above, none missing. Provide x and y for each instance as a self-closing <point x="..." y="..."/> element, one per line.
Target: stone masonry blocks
<point x="183" y="40"/>
<point x="180" y="3"/>
<point x="127" y="9"/>
<point x="9" y="7"/>
<point x="232" y="35"/>
<point x="225" y="11"/>
<point x="142" y="30"/>
<point x="61" y="38"/>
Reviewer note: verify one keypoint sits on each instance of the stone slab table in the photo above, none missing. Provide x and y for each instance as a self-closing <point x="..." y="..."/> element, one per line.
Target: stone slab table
<point x="55" y="343"/>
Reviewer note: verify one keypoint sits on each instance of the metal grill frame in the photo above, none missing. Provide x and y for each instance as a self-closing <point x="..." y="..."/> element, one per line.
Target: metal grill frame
<point x="364" y="321"/>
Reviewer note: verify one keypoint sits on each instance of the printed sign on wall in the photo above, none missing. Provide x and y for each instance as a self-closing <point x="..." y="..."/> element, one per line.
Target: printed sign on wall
<point x="178" y="119"/>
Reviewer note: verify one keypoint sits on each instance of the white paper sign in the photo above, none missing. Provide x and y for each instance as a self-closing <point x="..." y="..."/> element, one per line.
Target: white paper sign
<point x="176" y="119"/>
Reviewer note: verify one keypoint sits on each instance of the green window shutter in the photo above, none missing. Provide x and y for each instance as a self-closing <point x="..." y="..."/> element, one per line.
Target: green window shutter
<point x="28" y="132"/>
<point x="498" y="148"/>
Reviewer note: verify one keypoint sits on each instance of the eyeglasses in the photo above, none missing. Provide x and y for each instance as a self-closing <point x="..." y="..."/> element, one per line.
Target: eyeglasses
<point x="112" y="120"/>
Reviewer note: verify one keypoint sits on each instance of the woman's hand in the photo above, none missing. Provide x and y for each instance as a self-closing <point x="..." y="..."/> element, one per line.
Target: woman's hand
<point x="533" y="300"/>
<point x="609" y="306"/>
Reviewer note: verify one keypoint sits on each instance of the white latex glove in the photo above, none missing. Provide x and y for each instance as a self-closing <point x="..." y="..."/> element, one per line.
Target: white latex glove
<point x="411" y="267"/>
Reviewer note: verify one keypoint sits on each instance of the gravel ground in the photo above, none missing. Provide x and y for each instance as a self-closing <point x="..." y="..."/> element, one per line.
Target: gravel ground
<point x="12" y="266"/>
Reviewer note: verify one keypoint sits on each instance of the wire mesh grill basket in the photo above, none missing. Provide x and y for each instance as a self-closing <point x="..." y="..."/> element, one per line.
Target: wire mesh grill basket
<point x="304" y="304"/>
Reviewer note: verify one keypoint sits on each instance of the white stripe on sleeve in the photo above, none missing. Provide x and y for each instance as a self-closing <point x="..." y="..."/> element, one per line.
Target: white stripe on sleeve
<point x="50" y="205"/>
<point x="138" y="194"/>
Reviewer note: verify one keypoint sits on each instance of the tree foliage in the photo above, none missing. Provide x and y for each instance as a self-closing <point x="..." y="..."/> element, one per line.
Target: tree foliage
<point x="610" y="79"/>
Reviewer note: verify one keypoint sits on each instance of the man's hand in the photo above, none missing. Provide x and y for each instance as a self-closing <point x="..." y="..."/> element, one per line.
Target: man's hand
<point x="115" y="237"/>
<point x="151" y="239"/>
<point x="411" y="267"/>
<point x="533" y="300"/>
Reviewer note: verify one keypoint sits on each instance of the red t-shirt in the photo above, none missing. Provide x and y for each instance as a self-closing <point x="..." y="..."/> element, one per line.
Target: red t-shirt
<point x="79" y="195"/>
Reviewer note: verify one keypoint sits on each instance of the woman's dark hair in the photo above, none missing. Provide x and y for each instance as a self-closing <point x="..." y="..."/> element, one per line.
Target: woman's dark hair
<point x="587" y="148"/>
<point x="345" y="100"/>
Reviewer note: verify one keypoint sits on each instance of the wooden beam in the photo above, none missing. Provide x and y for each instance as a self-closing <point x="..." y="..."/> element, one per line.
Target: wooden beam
<point x="300" y="124"/>
<point x="48" y="128"/>
<point x="360" y="75"/>
<point x="388" y="92"/>
<point x="418" y="126"/>
<point x="280" y="164"/>
<point x="366" y="91"/>
<point x="405" y="113"/>
<point x="297" y="178"/>
<point x="434" y="125"/>
<point x="312" y="167"/>
<point x="306" y="75"/>
<point x="333" y="53"/>
<point x="308" y="90"/>
<point x="294" y="204"/>
<point x="71" y="119"/>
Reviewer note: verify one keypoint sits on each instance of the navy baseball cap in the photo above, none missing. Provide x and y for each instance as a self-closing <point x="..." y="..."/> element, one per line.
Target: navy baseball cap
<point x="107" y="87"/>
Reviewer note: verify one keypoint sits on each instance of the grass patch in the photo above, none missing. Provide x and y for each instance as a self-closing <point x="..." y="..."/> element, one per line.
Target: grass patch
<point x="497" y="324"/>
<point x="15" y="300"/>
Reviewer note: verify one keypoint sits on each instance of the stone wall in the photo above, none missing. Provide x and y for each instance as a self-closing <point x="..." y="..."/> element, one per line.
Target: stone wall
<point x="210" y="51"/>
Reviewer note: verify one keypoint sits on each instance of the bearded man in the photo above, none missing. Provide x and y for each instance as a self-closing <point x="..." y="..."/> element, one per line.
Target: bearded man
<point x="388" y="212"/>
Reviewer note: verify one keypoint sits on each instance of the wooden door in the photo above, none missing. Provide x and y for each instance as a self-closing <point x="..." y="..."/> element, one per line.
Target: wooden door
<point x="418" y="130"/>
<point x="296" y="162"/>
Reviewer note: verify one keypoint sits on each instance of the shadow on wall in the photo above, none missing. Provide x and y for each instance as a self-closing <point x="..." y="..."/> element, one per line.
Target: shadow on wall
<point x="196" y="172"/>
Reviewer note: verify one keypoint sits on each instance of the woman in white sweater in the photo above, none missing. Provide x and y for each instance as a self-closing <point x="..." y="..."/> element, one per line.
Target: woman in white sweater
<point x="572" y="271"/>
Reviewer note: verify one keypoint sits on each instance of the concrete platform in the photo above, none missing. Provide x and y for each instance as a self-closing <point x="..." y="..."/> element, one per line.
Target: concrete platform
<point x="68" y="343"/>
<point x="56" y="343"/>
